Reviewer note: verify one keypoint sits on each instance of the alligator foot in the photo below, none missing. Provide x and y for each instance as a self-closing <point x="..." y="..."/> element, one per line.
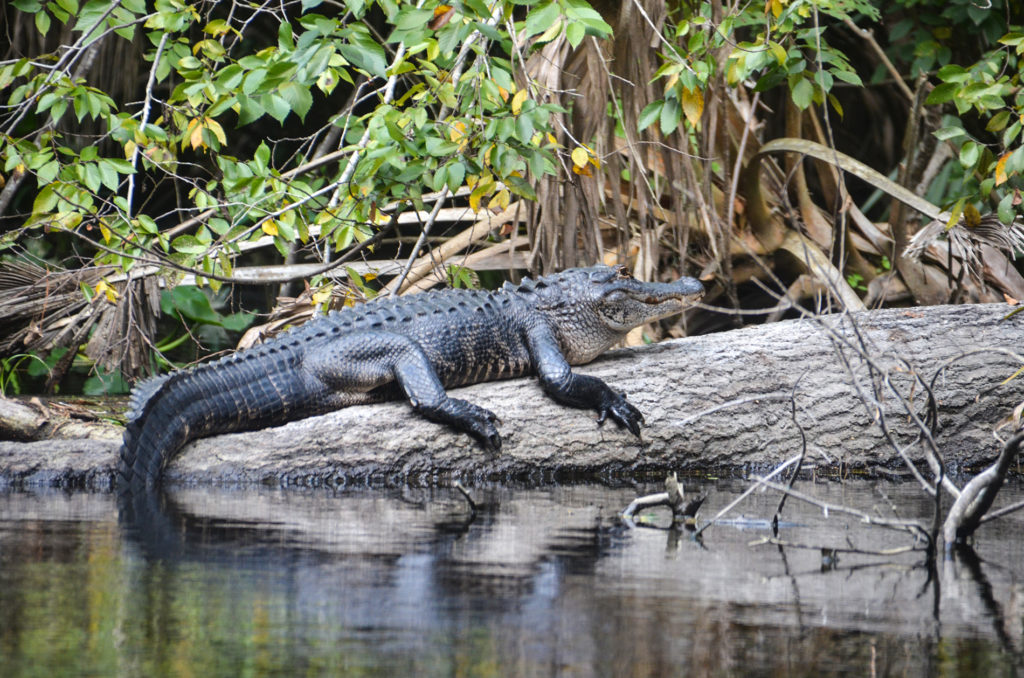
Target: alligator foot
<point x="622" y="411"/>
<point x="465" y="416"/>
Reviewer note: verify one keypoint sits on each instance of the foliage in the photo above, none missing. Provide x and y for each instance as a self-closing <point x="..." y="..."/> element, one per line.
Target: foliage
<point x="304" y="131"/>
<point x="459" y="120"/>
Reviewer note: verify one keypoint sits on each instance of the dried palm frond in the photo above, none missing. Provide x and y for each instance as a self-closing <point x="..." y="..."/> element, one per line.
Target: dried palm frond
<point x="38" y="304"/>
<point x="967" y="241"/>
<point x="43" y="309"/>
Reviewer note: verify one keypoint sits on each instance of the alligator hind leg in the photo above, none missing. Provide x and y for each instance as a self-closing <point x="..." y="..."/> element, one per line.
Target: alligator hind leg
<point x="361" y="362"/>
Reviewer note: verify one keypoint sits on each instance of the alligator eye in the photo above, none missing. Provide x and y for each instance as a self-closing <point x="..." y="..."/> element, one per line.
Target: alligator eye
<point x="615" y="296"/>
<point x="622" y="272"/>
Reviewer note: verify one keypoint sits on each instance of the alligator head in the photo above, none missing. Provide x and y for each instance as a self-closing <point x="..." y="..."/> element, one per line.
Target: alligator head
<point x="592" y="308"/>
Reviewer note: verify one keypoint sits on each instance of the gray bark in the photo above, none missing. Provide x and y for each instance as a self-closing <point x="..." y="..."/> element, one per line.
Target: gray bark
<point x="717" y="402"/>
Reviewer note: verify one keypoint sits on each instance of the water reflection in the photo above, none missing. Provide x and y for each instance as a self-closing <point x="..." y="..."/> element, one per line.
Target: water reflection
<point x="540" y="581"/>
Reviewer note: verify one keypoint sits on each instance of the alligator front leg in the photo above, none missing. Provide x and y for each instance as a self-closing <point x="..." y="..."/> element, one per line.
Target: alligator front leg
<point x="578" y="390"/>
<point x="361" y="362"/>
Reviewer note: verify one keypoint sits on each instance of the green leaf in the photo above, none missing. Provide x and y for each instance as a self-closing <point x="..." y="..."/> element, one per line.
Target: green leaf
<point x="848" y="77"/>
<point x="262" y="157"/>
<point x="953" y="73"/>
<point x="122" y="166"/>
<point x="48" y="172"/>
<point x="285" y="42"/>
<point x="456" y="175"/>
<point x="969" y="154"/>
<point x="440" y="178"/>
<point x="803" y="93"/>
<point x="191" y="302"/>
<point x="91" y="177"/>
<point x="651" y="112"/>
<point x="230" y="77"/>
<point x="298" y="98"/>
<point x="111" y="383"/>
<point x="1005" y="211"/>
<point x="108" y="175"/>
<point x="189" y="244"/>
<point x="45" y="200"/>
<point x="410" y="18"/>
<point x="365" y="53"/>
<point x="998" y="122"/>
<point x="541" y="19"/>
<point x="42" y="22"/>
<point x="949" y="133"/>
<point x="253" y="80"/>
<point x="942" y="93"/>
<point x="574" y="33"/>
<point x="671" y="114"/>
<point x="236" y="322"/>
<point x="276" y="106"/>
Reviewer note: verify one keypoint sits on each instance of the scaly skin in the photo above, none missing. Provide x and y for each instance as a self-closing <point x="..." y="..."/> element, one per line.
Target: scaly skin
<point x="413" y="347"/>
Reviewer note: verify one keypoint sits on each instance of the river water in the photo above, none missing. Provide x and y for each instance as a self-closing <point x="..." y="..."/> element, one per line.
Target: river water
<point x="540" y="581"/>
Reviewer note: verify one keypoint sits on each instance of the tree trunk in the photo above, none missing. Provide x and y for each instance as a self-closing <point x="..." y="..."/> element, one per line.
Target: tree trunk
<point x="717" y="402"/>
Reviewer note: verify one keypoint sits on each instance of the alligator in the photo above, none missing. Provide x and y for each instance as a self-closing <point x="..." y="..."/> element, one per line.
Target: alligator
<point x="414" y="346"/>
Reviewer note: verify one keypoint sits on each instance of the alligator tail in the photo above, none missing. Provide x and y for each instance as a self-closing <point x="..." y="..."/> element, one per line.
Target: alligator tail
<point x="233" y="394"/>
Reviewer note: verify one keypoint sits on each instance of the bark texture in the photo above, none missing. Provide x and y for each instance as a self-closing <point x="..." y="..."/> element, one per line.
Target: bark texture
<point x="716" y="402"/>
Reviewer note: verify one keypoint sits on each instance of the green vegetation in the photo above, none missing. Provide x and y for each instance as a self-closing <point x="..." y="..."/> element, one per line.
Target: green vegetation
<point x="160" y="159"/>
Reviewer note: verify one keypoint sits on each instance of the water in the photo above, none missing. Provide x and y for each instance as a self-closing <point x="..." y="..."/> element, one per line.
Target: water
<point x="540" y="582"/>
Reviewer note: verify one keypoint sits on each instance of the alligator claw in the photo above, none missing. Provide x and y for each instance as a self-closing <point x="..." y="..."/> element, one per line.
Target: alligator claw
<point x="623" y="413"/>
<point x="480" y="422"/>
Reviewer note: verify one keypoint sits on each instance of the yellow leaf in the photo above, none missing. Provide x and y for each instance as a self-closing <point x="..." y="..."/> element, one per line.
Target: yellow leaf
<point x="551" y="32"/>
<point x="776" y="8"/>
<point x="217" y="130"/>
<point x="474" y="199"/>
<point x="458" y="131"/>
<point x="693" y="105"/>
<point x="105" y="232"/>
<point x="269" y="227"/>
<point x="1001" y="169"/>
<point x="503" y="93"/>
<point x="972" y="218"/>
<point x="129" y="150"/>
<point x="551" y="139"/>
<point x="106" y="290"/>
<point x="483" y="187"/>
<point x="580" y="156"/>
<point x="500" y="200"/>
<point x="517" y="101"/>
<point x="195" y="138"/>
<point x="322" y="294"/>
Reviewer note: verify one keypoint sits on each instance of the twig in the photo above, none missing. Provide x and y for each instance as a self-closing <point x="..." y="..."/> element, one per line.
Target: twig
<point x="911" y="526"/>
<point x="800" y="461"/>
<point x="869" y="37"/>
<point x="456" y="75"/>
<point x="999" y="513"/>
<point x="145" y="118"/>
<point x="465" y="494"/>
<point x="899" y="550"/>
<point x="760" y="481"/>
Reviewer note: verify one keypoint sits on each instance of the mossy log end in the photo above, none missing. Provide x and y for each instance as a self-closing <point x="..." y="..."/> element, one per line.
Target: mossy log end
<point x="718" y="402"/>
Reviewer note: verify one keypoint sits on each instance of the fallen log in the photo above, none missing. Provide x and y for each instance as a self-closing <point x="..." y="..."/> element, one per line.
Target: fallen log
<point x="719" y="402"/>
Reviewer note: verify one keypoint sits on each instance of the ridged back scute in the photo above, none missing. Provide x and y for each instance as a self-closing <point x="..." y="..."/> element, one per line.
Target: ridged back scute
<point x="574" y="288"/>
